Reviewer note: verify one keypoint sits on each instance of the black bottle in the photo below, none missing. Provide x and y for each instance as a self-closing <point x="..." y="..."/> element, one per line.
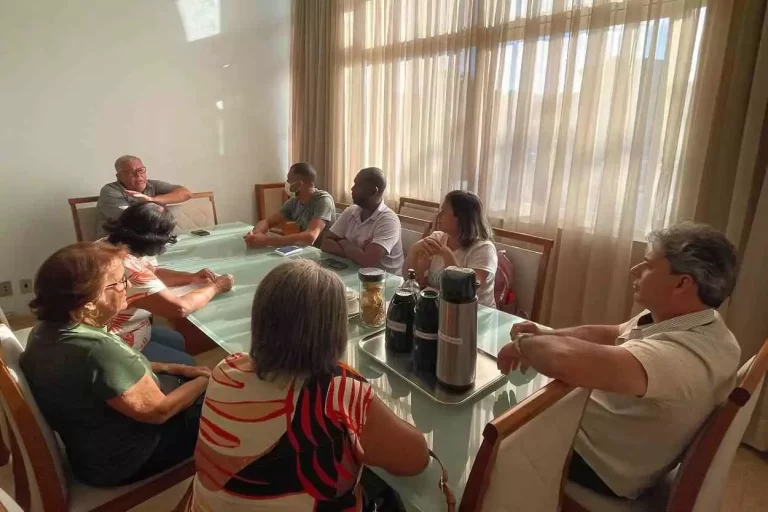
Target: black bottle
<point x="398" y="335"/>
<point x="425" y="326"/>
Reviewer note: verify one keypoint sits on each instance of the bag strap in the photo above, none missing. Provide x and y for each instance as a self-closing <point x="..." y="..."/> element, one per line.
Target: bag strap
<point x="450" y="498"/>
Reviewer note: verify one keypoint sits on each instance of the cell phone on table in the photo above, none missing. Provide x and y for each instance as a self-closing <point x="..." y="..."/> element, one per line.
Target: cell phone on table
<point x="333" y="263"/>
<point x="201" y="232"/>
<point x="288" y="250"/>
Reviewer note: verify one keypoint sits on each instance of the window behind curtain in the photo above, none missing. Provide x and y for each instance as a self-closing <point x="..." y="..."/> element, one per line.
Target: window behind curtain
<point x="567" y="113"/>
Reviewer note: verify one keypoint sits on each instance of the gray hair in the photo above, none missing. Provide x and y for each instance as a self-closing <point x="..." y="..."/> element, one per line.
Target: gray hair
<point x="124" y="160"/>
<point x="298" y="321"/>
<point x="703" y="253"/>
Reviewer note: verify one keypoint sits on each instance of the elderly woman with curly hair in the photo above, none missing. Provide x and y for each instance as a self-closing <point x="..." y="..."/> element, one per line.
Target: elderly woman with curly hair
<point x="147" y="229"/>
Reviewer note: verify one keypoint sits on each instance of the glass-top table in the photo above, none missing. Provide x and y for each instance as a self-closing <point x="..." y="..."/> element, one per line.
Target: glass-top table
<point x="454" y="432"/>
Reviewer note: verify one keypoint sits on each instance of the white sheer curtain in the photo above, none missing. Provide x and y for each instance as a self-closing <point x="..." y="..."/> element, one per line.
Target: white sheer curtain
<point x="569" y="118"/>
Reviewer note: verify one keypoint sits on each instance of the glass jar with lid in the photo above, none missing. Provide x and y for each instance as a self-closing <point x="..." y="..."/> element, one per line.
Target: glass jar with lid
<point x="372" y="296"/>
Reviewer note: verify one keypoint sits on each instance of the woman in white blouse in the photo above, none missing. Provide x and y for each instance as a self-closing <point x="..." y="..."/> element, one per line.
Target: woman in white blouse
<point x="463" y="238"/>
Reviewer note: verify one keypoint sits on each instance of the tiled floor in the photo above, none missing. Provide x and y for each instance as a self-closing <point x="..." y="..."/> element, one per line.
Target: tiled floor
<point x="747" y="489"/>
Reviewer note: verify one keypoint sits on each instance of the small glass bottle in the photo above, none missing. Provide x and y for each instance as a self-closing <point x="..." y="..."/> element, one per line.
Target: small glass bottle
<point x="372" y="296"/>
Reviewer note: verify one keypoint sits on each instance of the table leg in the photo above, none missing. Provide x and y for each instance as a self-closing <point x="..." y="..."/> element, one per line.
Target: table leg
<point x="195" y="341"/>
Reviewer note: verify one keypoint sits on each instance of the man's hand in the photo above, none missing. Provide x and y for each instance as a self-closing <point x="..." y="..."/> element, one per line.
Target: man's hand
<point x="142" y="198"/>
<point x="256" y="240"/>
<point x="224" y="283"/>
<point x="189" y="372"/>
<point x="205" y="275"/>
<point x="509" y="359"/>
<point x="522" y="327"/>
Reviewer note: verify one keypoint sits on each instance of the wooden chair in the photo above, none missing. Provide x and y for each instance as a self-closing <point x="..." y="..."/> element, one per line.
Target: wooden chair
<point x="42" y="481"/>
<point x="530" y="267"/>
<point x="269" y="198"/>
<point x="198" y="212"/>
<point x="416" y="208"/>
<point x="697" y="484"/>
<point x="84" y="216"/>
<point x="5" y="436"/>
<point x="411" y="231"/>
<point x="340" y="207"/>
<point x="522" y="462"/>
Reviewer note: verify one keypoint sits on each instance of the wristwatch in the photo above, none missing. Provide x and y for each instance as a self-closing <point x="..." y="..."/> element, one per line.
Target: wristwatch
<point x="518" y="340"/>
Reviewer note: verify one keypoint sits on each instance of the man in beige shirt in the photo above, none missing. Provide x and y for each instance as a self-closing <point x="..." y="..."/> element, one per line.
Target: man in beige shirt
<point x="656" y="378"/>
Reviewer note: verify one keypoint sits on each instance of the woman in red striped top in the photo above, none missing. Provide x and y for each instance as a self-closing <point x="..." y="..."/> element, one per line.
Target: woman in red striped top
<point x="287" y="426"/>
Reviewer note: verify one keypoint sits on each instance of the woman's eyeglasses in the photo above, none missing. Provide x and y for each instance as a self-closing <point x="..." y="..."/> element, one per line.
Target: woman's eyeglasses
<point x="119" y="286"/>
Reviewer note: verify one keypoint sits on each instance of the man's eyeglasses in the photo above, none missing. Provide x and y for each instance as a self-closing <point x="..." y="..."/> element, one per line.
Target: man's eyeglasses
<point x="119" y="286"/>
<point x="141" y="171"/>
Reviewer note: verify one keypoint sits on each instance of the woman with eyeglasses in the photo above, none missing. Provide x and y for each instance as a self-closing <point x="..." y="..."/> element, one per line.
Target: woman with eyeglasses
<point x="120" y="417"/>
<point x="147" y="229"/>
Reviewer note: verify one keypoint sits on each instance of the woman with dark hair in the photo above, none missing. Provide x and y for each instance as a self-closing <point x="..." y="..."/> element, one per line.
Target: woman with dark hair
<point x="103" y="398"/>
<point x="147" y="229"/>
<point x="464" y="239"/>
<point x="287" y="426"/>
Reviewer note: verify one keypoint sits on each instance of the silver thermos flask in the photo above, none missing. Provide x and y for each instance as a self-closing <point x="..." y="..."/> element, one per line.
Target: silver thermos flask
<point x="457" y="334"/>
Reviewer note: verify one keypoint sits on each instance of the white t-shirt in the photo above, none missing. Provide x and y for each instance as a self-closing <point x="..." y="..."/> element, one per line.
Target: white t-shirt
<point x="481" y="255"/>
<point x="382" y="228"/>
<point x="133" y="325"/>
<point x="691" y="362"/>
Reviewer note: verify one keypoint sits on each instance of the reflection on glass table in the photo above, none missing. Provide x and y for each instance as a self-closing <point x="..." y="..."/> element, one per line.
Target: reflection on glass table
<point x="454" y="432"/>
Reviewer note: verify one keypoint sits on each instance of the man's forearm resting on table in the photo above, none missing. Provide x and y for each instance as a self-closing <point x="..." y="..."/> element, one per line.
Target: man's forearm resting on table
<point x="177" y="195"/>
<point x="601" y="334"/>
<point x="261" y="227"/>
<point x="367" y="257"/>
<point x="264" y="225"/>
<point x="331" y="246"/>
<point x="300" y="239"/>
<point x="585" y="364"/>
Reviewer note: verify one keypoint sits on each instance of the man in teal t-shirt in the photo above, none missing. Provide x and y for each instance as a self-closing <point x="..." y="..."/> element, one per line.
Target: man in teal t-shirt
<point x="311" y="209"/>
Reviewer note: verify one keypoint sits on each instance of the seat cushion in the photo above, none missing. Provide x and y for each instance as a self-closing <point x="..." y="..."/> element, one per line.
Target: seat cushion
<point x="22" y="335"/>
<point x="83" y="497"/>
<point x="653" y="500"/>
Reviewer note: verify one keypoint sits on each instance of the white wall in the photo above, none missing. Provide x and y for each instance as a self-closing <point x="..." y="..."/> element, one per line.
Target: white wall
<point x="85" y="81"/>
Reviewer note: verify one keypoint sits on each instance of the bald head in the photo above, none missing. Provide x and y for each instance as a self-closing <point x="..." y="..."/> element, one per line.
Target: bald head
<point x="369" y="187"/>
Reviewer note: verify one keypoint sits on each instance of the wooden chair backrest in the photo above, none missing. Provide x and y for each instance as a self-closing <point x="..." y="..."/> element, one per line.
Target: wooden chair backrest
<point x="544" y="424"/>
<point x="411" y="231"/>
<point x="530" y="265"/>
<point x="340" y="207"/>
<point x="416" y="208"/>
<point x="43" y="471"/>
<point x="85" y="227"/>
<point x="196" y="213"/>
<point x="709" y="450"/>
<point x="269" y="198"/>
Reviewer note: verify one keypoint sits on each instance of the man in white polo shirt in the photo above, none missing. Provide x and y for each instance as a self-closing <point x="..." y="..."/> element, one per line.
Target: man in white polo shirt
<point x="368" y="232"/>
<point x="656" y="378"/>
